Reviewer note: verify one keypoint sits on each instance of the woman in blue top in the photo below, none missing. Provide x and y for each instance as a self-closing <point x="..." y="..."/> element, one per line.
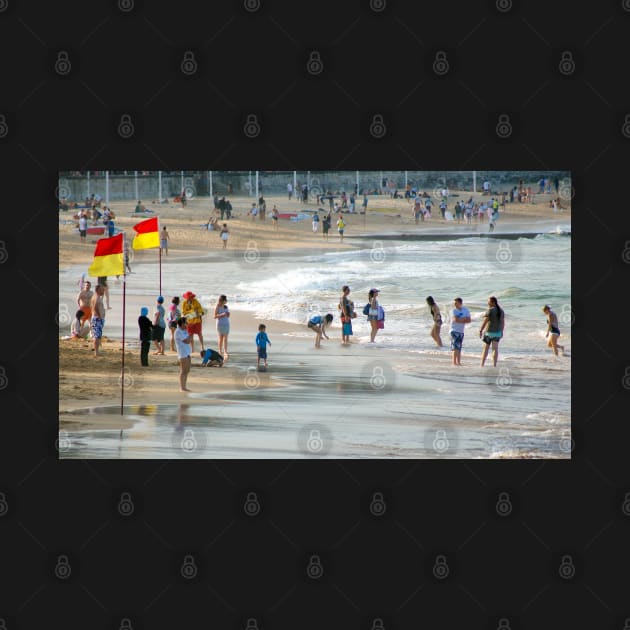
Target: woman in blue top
<point x="319" y="325"/>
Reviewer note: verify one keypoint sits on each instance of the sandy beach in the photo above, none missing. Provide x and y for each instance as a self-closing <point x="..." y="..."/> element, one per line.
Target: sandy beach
<point x="339" y="401"/>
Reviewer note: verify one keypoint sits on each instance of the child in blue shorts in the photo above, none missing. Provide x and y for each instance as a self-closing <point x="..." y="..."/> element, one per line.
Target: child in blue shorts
<point x="261" y="345"/>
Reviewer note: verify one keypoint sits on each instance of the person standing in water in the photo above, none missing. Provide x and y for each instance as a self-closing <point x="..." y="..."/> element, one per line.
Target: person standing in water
<point x="372" y="315"/>
<point x="553" y="330"/>
<point x="434" y="309"/>
<point x="493" y="323"/>
<point x="346" y="306"/>
<point x="459" y="318"/>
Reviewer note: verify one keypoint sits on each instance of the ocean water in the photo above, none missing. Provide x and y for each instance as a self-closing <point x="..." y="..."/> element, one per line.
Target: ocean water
<point x="522" y="408"/>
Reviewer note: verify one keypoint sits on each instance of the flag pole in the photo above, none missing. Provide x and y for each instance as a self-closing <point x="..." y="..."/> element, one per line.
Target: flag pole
<point x="122" y="375"/>
<point x="160" y="256"/>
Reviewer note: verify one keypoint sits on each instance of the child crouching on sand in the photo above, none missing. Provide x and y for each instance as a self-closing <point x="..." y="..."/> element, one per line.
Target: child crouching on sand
<point x="319" y="325"/>
<point x="211" y="358"/>
<point x="261" y="345"/>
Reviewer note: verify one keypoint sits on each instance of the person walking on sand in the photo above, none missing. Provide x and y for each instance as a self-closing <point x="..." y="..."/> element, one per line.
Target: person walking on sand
<point x="493" y="323"/>
<point x="346" y="306"/>
<point x="290" y="190"/>
<point x="144" y="323"/>
<point x="224" y="235"/>
<point x="98" y="318"/>
<point x="193" y="313"/>
<point x="84" y="299"/>
<point x="341" y="226"/>
<point x="553" y="330"/>
<point x="372" y="314"/>
<point x="164" y="239"/>
<point x="274" y="218"/>
<point x="434" y="309"/>
<point x="315" y="223"/>
<point x="83" y="225"/>
<point x="460" y="316"/>
<point x="261" y="346"/>
<point x="222" y="315"/>
<point x="159" y="326"/>
<point x="319" y="324"/>
<point x="173" y="315"/>
<point x="184" y="341"/>
<point x="326" y="226"/>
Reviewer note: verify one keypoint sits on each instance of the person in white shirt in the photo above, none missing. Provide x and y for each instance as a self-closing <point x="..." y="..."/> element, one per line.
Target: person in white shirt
<point x="460" y="316"/>
<point x="182" y="341"/>
<point x="83" y="226"/>
<point x="290" y="190"/>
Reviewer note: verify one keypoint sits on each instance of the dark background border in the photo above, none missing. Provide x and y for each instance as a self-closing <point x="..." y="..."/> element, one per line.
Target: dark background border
<point x="554" y="561"/>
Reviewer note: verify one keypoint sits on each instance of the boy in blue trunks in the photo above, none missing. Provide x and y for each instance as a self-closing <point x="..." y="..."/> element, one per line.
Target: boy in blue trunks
<point x="460" y="316"/>
<point x="261" y="345"/>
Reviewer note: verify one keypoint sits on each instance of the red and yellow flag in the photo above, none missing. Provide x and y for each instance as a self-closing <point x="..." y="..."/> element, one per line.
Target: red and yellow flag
<point x="108" y="257"/>
<point x="147" y="235"/>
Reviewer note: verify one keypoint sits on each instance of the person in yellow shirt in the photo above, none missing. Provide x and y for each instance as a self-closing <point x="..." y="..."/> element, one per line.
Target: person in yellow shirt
<point x="193" y="312"/>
